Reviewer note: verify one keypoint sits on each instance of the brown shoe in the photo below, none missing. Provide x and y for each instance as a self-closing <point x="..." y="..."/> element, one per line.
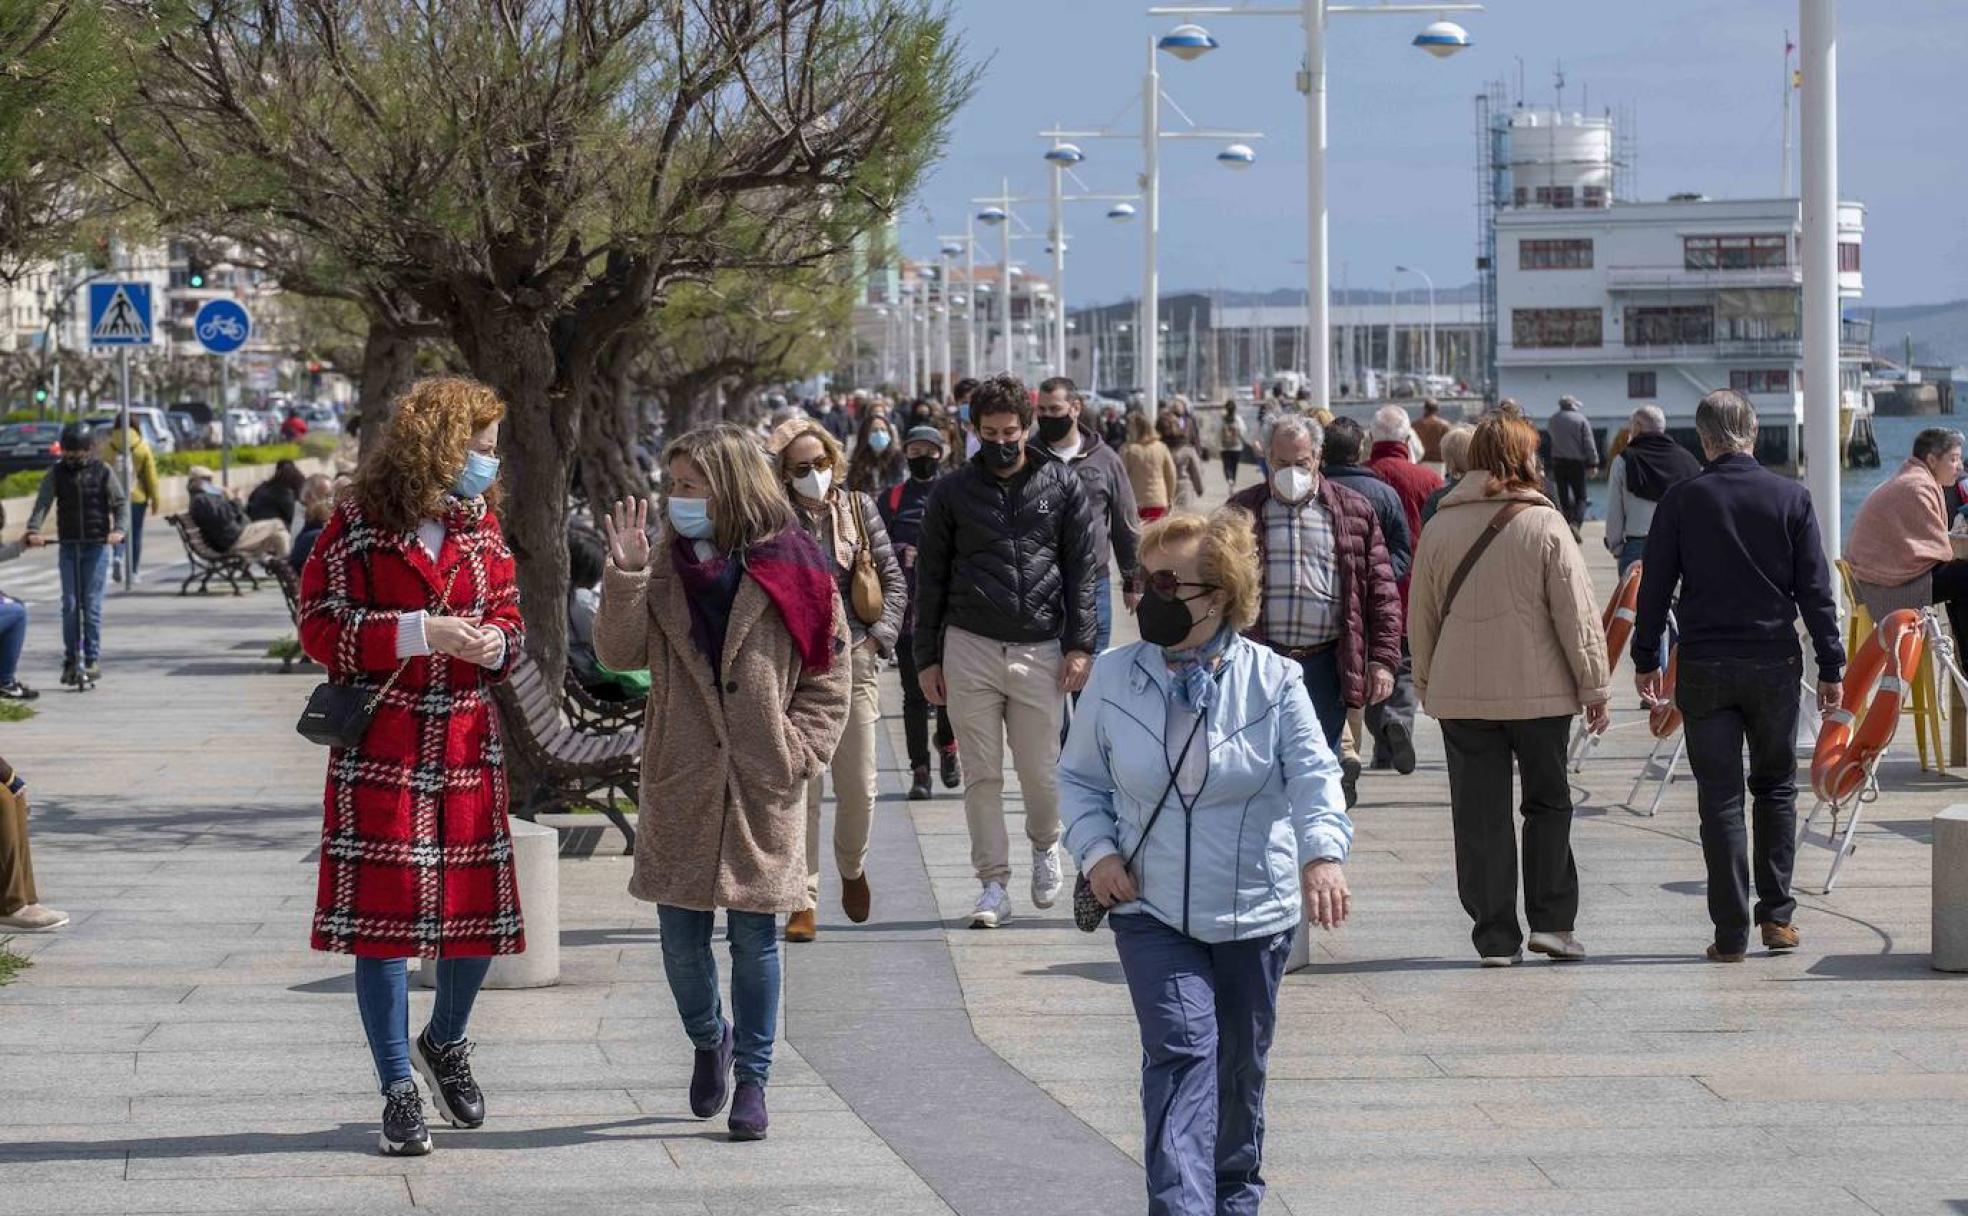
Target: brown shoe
<point x="1718" y="955"/>
<point x="800" y="926"/>
<point x="855" y="898"/>
<point x="1778" y="935"/>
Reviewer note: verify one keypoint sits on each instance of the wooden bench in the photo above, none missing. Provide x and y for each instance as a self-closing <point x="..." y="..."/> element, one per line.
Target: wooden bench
<point x="208" y="563"/>
<point x="574" y="767"/>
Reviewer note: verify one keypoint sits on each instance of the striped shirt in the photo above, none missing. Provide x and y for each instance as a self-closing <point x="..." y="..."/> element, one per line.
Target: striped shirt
<point x="1301" y="574"/>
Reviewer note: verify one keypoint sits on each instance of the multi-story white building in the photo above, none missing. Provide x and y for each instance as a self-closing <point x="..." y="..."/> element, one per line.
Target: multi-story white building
<point x="1624" y="303"/>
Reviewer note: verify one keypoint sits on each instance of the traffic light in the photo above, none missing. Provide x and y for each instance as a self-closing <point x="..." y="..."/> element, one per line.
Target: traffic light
<point x="40" y="394"/>
<point x="195" y="267"/>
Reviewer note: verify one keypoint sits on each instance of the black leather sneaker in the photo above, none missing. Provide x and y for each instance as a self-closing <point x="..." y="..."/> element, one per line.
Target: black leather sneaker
<point x="404" y="1133"/>
<point x="952" y="771"/>
<point x="447" y="1069"/>
<point x="919" y="791"/>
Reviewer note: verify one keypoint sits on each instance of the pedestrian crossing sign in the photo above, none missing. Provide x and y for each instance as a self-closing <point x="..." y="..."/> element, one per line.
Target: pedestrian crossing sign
<point x="119" y="314"/>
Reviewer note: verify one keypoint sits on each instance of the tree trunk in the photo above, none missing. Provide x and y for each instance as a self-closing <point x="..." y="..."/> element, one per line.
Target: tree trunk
<point x="606" y="457"/>
<point x="389" y="363"/>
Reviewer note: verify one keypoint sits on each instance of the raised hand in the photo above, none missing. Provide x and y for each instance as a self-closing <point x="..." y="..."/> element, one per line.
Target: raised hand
<point x="627" y="530"/>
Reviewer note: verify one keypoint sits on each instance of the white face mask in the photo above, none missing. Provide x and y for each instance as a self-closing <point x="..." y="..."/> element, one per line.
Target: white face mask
<point x="1291" y="483"/>
<point x="813" y="485"/>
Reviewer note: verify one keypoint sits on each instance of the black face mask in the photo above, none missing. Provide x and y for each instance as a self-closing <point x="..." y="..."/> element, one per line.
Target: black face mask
<point x="1000" y="456"/>
<point x="1164" y="620"/>
<point x="922" y="468"/>
<point x="1052" y="428"/>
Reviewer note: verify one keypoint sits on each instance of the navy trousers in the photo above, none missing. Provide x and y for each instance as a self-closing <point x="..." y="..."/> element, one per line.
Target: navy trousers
<point x="1207" y="1012"/>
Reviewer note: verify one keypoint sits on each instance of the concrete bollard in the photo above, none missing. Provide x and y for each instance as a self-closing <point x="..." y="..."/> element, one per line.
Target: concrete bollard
<point x="536" y="859"/>
<point x="1951" y="889"/>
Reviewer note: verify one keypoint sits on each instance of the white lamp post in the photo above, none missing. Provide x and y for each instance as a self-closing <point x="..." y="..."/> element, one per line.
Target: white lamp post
<point x="1184" y="42"/>
<point x="1440" y="39"/>
<point x="1818" y="39"/>
<point x="999" y="217"/>
<point x="949" y="250"/>
<point x="1429" y="370"/>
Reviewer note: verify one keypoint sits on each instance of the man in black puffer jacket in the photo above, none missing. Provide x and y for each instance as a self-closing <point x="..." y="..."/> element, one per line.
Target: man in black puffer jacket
<point x="87" y="498"/>
<point x="1005" y="624"/>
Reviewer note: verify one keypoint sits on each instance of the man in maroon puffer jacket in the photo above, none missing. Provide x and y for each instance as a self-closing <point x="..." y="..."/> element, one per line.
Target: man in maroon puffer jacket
<point x="1330" y="601"/>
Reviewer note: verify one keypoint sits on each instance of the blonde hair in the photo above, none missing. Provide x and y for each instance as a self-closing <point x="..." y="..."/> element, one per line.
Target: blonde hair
<point x="1229" y="553"/>
<point x="419" y="456"/>
<point x="747" y="503"/>
<point x="1455" y="448"/>
<point x="1139" y="429"/>
<point x="793" y="429"/>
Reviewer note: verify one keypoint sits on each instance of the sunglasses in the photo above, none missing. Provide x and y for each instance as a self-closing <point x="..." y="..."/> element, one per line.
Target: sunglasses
<point x="804" y="467"/>
<point x="1165" y="584"/>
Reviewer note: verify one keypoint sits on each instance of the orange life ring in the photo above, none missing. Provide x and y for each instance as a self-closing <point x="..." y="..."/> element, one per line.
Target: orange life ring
<point x="1665" y="718"/>
<point x="1854" y="734"/>
<point x="1619" y="615"/>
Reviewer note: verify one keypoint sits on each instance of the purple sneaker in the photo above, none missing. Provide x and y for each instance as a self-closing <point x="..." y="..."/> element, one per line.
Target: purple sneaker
<point x="710" y="1078"/>
<point x="748" y="1112"/>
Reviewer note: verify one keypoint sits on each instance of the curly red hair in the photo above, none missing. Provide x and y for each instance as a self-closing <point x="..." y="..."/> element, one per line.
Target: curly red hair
<point x="410" y="467"/>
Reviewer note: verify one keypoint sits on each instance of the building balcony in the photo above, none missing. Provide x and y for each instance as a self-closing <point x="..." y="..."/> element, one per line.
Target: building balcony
<point x="1677" y="278"/>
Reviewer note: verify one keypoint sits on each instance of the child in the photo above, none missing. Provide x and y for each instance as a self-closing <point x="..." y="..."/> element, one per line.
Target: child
<point x="88" y="497"/>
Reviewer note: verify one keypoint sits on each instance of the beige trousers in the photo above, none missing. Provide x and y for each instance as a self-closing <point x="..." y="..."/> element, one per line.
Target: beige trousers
<point x="1356" y="730"/>
<point x="853" y="769"/>
<point x="1002" y="691"/>
<point x="16" y="861"/>
<point x="263" y="538"/>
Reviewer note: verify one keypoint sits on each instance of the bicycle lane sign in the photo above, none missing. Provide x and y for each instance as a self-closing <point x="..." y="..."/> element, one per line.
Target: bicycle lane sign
<point x="222" y="326"/>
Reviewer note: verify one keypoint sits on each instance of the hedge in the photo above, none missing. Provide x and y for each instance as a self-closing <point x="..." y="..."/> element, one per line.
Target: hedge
<point x="20" y="485"/>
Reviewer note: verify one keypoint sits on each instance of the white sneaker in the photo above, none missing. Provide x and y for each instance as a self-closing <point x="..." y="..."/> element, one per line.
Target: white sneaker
<point x="1503" y="960"/>
<point x="1560" y="947"/>
<point x="993" y="907"/>
<point x="1046" y="876"/>
<point x="33" y="919"/>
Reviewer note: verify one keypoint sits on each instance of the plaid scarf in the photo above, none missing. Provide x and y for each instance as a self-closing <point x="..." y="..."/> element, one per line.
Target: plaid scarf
<point x="792" y="573"/>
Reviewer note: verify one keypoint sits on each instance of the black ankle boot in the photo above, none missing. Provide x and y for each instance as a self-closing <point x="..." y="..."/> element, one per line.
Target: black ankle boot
<point x="920" y="790"/>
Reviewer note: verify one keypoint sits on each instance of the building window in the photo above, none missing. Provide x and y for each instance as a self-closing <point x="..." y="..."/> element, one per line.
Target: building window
<point x="1520" y="196"/>
<point x="1554" y="196"/>
<point x="1554" y="255"/>
<point x="1686" y="326"/>
<point x="1848" y="257"/>
<point x="1760" y="380"/>
<point x="1548" y="327"/>
<point x="1593" y="196"/>
<point x="1735" y="252"/>
<point x="1640" y="386"/>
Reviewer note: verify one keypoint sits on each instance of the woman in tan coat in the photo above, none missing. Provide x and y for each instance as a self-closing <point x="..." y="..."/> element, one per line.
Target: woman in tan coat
<point x="1504" y="662"/>
<point x="1150" y="468"/>
<point x="737" y="620"/>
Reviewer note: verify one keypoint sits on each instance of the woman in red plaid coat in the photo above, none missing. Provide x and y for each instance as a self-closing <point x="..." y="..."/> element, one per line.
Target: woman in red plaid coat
<point x="411" y="581"/>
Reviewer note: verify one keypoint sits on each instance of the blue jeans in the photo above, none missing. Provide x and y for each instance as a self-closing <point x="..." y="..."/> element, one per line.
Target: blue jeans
<point x="382" y="994"/>
<point x="1631" y="550"/>
<point x="84" y="573"/>
<point x="13" y="635"/>
<point x="1206" y="1012"/>
<point x="692" y="971"/>
<point x="135" y="541"/>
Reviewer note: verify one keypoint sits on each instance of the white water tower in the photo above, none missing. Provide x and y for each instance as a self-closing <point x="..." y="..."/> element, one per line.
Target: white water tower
<point x="1556" y="160"/>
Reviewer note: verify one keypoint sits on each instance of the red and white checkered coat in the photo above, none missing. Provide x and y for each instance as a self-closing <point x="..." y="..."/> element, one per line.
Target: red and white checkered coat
<point x="416" y="858"/>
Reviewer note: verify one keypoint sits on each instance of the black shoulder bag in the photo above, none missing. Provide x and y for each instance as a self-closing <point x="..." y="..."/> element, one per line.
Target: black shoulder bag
<point x="337" y="715"/>
<point x="1088" y="911"/>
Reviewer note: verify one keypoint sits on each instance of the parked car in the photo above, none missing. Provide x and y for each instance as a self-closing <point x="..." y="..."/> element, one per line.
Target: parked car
<point x="321" y="420"/>
<point x="26" y="446"/>
<point x="149" y="421"/>
<point x="270" y="421"/>
<point x="248" y="427"/>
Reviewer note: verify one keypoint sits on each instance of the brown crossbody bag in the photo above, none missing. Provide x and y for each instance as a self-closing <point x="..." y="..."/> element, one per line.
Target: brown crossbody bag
<point x="1497" y="524"/>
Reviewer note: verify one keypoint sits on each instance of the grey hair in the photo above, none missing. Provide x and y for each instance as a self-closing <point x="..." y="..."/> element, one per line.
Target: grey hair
<point x="1292" y="425"/>
<point x="1726" y="421"/>
<point x="1648" y="420"/>
<point x="1390" y="423"/>
<point x="1935" y="441"/>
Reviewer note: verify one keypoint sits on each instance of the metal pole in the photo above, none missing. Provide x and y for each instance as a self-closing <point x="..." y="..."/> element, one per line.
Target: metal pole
<point x="970" y="296"/>
<point x="949" y="317"/>
<point x="909" y="337"/>
<point x="1148" y="365"/>
<point x="928" y="332"/>
<point x="1004" y="275"/>
<point x="123" y="370"/>
<point x="225" y="421"/>
<point x="1819" y="40"/>
<point x="1058" y="271"/>
<point x="1393" y="288"/>
<point x="1317" y="272"/>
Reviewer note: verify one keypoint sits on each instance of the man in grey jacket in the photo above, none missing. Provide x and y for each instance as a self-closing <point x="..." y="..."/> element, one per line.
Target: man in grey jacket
<point x="1574" y="455"/>
<point x="1109" y="496"/>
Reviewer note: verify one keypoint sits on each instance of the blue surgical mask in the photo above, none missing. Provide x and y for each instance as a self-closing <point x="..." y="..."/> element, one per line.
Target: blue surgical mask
<point x="691" y="517"/>
<point x="878" y="441"/>
<point x="477" y="476"/>
<point x="963" y="412"/>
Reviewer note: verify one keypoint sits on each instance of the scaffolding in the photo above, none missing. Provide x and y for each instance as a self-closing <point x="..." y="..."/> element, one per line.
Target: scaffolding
<point x="1491" y="104"/>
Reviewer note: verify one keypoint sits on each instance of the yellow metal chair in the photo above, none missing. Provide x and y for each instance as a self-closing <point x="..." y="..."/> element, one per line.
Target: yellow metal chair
<point x="1926" y="704"/>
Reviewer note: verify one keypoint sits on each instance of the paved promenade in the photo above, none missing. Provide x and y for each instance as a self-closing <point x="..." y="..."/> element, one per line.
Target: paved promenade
<point x="179" y="1049"/>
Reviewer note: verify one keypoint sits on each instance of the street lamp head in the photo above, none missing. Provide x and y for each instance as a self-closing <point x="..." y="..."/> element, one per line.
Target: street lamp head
<point x="984" y="289"/>
<point x="992" y="216"/>
<point x="1121" y="213"/>
<point x="1442" y="39"/>
<point x="952" y="249"/>
<point x="1188" y="42"/>
<point x="1237" y="156"/>
<point x="1065" y="155"/>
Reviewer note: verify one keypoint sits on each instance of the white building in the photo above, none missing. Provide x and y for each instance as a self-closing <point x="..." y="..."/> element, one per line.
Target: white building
<point x="1624" y="303"/>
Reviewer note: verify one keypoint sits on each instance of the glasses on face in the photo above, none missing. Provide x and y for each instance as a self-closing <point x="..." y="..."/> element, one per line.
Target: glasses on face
<point x="1165" y="584"/>
<point x="804" y="467"/>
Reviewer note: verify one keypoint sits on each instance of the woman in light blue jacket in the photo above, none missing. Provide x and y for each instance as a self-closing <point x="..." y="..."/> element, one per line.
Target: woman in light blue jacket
<point x="1199" y="797"/>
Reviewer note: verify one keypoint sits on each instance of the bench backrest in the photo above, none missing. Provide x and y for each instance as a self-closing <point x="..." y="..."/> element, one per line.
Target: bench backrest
<point x="194" y="539"/>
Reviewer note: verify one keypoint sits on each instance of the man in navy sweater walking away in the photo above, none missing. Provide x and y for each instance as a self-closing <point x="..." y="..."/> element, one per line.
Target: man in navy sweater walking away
<point x="1742" y="544"/>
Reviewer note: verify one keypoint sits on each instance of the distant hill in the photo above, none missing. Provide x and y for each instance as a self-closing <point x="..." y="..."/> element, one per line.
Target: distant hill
<point x="1939" y="331"/>
<point x="1286" y="296"/>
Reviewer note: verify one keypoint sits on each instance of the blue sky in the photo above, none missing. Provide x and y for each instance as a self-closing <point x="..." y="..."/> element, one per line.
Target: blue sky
<point x="1704" y="78"/>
